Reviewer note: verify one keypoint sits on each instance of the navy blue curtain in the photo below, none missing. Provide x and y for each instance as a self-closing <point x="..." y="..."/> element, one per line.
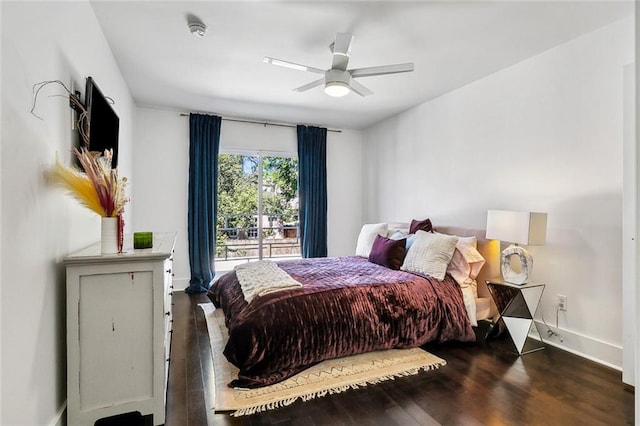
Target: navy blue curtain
<point x="204" y="143"/>
<point x="312" y="190"/>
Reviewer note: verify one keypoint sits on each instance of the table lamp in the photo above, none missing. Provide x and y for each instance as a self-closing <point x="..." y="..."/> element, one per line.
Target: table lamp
<point x="526" y="228"/>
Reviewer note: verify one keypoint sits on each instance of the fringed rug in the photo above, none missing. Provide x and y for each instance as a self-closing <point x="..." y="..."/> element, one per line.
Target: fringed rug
<point x="325" y="378"/>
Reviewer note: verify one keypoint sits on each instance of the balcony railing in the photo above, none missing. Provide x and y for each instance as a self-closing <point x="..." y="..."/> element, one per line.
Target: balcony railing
<point x="238" y="239"/>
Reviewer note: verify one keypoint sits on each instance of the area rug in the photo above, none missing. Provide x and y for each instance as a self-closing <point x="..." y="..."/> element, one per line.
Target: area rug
<point x="325" y="378"/>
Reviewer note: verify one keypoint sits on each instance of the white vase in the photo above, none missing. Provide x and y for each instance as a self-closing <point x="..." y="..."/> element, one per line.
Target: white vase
<point x="109" y="235"/>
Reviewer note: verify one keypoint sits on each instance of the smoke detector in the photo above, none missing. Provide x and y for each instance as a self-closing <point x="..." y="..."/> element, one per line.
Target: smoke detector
<point x="197" y="29"/>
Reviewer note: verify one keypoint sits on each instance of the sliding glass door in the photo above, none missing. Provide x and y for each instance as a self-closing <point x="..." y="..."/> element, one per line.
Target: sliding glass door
<point x="257" y="208"/>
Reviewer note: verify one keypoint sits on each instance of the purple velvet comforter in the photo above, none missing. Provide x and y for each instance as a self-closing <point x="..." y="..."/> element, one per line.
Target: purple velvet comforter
<point x="346" y="306"/>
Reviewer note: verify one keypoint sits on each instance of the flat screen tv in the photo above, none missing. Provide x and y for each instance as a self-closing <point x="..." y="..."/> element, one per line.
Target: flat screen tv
<point x="102" y="122"/>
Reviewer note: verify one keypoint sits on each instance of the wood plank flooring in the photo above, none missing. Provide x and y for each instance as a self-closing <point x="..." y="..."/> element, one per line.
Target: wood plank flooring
<point x="480" y="385"/>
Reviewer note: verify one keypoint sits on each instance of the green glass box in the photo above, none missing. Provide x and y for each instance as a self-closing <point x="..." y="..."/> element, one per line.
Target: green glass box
<point x="142" y="240"/>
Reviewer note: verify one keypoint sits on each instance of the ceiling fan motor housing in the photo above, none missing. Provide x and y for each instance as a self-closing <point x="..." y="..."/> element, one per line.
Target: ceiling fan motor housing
<point x="337" y="76"/>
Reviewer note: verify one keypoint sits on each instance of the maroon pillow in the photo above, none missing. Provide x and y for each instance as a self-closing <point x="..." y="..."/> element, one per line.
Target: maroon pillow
<point x="421" y="225"/>
<point x="388" y="252"/>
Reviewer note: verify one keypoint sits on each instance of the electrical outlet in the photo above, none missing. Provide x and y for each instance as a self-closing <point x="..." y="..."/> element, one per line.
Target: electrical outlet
<point x="562" y="302"/>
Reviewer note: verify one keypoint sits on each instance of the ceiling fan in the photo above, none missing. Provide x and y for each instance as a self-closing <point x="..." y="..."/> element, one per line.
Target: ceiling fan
<point x="338" y="80"/>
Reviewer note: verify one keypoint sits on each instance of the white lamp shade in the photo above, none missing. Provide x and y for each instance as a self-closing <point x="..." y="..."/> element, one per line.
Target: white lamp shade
<point x="527" y="228"/>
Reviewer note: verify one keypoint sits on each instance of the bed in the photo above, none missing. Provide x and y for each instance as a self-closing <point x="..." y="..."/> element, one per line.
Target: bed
<point x="344" y="306"/>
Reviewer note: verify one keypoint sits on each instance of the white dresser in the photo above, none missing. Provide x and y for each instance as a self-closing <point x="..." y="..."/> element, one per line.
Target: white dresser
<point x="118" y="331"/>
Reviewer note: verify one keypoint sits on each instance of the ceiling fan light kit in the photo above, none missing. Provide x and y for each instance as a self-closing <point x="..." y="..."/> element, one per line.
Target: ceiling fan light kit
<point x="338" y="80"/>
<point x="337" y="89"/>
<point x="336" y="83"/>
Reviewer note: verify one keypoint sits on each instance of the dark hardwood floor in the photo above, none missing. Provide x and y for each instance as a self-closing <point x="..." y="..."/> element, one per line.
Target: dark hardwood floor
<point x="480" y="385"/>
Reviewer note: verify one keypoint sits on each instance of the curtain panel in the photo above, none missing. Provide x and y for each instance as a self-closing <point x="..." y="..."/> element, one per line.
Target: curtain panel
<point x="312" y="190"/>
<point x="204" y="144"/>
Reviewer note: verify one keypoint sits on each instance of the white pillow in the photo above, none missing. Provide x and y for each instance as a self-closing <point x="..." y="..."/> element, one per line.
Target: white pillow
<point x="368" y="236"/>
<point x="470" y="305"/>
<point x="430" y="254"/>
<point x="466" y="263"/>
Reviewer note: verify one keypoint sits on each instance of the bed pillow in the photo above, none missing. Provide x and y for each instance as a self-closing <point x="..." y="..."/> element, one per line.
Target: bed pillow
<point x="466" y="263"/>
<point x="388" y="252"/>
<point x="394" y="230"/>
<point x="400" y="234"/>
<point x="420" y="225"/>
<point x="410" y="239"/>
<point x="367" y="236"/>
<point x="430" y="254"/>
<point x="396" y="234"/>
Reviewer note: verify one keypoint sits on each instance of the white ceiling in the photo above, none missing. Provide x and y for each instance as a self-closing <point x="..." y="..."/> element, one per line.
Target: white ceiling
<point x="452" y="43"/>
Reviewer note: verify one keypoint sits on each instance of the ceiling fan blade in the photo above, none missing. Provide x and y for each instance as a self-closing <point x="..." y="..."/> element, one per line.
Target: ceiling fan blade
<point x="381" y="70"/>
<point x="291" y="65"/>
<point x="341" y="49"/>
<point x="359" y="88"/>
<point x="311" y="85"/>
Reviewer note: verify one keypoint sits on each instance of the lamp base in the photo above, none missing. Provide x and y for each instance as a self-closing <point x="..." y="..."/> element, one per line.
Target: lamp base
<point x="526" y="265"/>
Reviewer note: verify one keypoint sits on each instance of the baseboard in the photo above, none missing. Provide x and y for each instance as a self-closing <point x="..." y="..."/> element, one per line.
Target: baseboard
<point x="59" y="418"/>
<point x="605" y="353"/>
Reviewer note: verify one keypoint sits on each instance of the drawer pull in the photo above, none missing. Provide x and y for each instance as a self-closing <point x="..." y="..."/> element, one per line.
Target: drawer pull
<point x="167" y="313"/>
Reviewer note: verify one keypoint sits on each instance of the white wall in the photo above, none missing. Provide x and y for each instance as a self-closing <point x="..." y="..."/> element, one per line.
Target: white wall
<point x="161" y="155"/>
<point x="40" y="224"/>
<point x="344" y="187"/>
<point x="161" y="175"/>
<point x="542" y="135"/>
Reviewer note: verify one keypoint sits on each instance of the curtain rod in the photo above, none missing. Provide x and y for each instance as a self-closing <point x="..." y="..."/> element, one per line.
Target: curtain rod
<point x="264" y="123"/>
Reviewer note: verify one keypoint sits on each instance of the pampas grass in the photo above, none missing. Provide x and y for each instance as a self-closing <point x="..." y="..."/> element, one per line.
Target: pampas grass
<point x="98" y="188"/>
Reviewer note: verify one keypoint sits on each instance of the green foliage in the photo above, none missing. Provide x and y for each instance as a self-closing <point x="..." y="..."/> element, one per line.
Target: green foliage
<point x="221" y="241"/>
<point x="280" y="175"/>
<point x="282" y="172"/>
<point x="237" y="189"/>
